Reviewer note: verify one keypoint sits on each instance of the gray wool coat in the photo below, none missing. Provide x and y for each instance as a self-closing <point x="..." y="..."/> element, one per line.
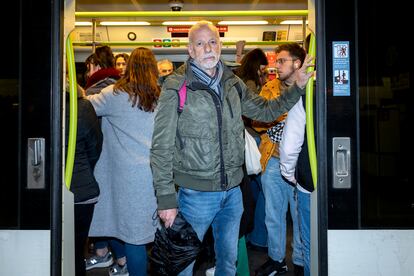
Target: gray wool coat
<point x="127" y="202"/>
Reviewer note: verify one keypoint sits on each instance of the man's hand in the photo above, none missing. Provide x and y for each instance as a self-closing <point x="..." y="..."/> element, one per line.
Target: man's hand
<point x="302" y="76"/>
<point x="168" y="216"/>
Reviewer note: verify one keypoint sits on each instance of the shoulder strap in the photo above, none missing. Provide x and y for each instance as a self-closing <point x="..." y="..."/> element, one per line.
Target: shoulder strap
<point x="304" y="102"/>
<point x="239" y="90"/>
<point x="182" y="96"/>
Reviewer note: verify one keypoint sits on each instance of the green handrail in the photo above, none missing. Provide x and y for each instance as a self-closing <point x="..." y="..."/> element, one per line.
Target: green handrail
<point x="180" y="43"/>
<point x="73" y="112"/>
<point x="187" y="14"/>
<point x="309" y="117"/>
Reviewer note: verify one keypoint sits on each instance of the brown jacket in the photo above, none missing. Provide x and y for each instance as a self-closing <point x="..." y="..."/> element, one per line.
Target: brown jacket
<point x="267" y="148"/>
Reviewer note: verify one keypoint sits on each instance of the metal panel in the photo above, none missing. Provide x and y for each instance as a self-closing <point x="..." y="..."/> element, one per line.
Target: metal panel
<point x="36" y="163"/>
<point x="341" y="159"/>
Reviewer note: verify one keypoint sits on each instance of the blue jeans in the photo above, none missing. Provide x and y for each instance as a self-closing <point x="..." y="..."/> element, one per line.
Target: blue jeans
<point x="117" y="247"/>
<point x="136" y="255"/>
<point x="259" y="234"/>
<point x="221" y="210"/>
<point x="304" y="226"/>
<point x="278" y="195"/>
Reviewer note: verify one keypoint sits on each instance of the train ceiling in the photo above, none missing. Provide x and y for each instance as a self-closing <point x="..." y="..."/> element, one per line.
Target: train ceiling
<point x="189" y="5"/>
<point x="192" y="5"/>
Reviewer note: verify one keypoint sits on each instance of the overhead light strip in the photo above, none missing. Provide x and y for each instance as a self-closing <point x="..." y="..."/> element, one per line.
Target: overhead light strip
<point x="180" y="23"/>
<point x="292" y="22"/>
<point x="83" y="23"/>
<point x="248" y="22"/>
<point x="124" y="23"/>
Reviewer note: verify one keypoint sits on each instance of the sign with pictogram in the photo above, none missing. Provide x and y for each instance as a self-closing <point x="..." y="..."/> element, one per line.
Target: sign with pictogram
<point x="340" y="68"/>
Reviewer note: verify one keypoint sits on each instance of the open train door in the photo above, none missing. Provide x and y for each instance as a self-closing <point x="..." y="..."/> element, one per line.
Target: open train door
<point x="365" y="88"/>
<point x="30" y="115"/>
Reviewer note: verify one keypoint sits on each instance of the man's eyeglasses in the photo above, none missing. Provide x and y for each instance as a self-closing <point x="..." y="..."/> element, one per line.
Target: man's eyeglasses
<point x="281" y="61"/>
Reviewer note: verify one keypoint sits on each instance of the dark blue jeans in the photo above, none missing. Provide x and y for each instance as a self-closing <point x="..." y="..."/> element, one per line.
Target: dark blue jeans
<point x="259" y="234"/>
<point x="304" y="226"/>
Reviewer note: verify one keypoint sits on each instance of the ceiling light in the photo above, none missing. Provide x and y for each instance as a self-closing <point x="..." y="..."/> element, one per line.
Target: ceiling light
<point x="252" y="22"/>
<point x="293" y="22"/>
<point x="83" y="23"/>
<point x="125" y="23"/>
<point x="180" y="23"/>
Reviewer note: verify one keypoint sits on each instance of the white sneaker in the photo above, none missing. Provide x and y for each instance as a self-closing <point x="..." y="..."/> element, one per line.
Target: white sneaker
<point x="210" y="271"/>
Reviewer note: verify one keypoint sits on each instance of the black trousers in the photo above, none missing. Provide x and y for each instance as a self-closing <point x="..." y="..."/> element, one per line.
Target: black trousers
<point x="83" y="219"/>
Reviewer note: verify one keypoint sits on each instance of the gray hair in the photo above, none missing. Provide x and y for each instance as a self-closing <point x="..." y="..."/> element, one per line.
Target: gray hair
<point x="200" y="25"/>
<point x="165" y="61"/>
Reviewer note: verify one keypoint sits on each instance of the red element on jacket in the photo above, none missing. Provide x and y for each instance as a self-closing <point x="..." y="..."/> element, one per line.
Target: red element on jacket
<point x="102" y="74"/>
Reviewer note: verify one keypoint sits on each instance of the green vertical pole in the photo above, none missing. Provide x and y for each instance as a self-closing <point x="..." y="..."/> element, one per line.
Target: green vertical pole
<point x="242" y="259"/>
<point x="73" y="108"/>
<point x="309" y="117"/>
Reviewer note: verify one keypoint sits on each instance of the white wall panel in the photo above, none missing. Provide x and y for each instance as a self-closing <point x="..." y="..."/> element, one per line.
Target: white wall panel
<point x="370" y="252"/>
<point x="25" y="252"/>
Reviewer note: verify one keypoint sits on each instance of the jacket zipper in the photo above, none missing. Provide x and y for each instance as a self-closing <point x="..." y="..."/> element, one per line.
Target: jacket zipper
<point x="218" y="106"/>
<point x="231" y="110"/>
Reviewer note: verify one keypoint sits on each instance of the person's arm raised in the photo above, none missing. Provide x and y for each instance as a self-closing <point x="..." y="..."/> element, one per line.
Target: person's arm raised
<point x="302" y="76"/>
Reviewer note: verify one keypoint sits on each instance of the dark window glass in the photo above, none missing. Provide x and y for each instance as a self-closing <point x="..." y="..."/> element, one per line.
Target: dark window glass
<point x="386" y="89"/>
<point x="9" y="113"/>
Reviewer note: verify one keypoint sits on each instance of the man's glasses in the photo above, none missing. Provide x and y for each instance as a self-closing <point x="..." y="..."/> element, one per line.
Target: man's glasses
<point x="281" y="61"/>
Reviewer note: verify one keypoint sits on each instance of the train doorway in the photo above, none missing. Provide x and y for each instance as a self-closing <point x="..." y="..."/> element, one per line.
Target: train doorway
<point x="365" y="202"/>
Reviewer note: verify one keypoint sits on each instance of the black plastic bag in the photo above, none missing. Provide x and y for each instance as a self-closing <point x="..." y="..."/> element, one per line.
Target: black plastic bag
<point x="174" y="248"/>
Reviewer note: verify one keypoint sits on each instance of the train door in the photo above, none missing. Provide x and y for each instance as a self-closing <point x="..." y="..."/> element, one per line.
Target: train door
<point x="365" y="195"/>
<point x="30" y="108"/>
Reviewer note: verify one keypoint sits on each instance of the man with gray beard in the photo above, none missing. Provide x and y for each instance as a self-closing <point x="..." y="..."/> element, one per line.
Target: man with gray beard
<point x="201" y="149"/>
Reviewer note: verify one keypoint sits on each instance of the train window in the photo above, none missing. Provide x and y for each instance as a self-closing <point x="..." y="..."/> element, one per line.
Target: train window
<point x="9" y="113"/>
<point x="25" y="97"/>
<point x="385" y="95"/>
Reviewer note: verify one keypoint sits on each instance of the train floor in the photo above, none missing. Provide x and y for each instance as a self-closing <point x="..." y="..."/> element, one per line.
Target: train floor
<point x="256" y="259"/>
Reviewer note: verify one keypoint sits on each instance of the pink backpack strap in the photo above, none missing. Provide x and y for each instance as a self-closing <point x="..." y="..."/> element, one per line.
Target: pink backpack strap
<point x="182" y="95"/>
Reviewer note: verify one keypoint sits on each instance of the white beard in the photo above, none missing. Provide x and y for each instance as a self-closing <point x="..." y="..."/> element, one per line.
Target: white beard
<point x="209" y="64"/>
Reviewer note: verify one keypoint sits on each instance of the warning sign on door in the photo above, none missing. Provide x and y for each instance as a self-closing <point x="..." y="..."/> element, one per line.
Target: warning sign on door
<point x="340" y="64"/>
